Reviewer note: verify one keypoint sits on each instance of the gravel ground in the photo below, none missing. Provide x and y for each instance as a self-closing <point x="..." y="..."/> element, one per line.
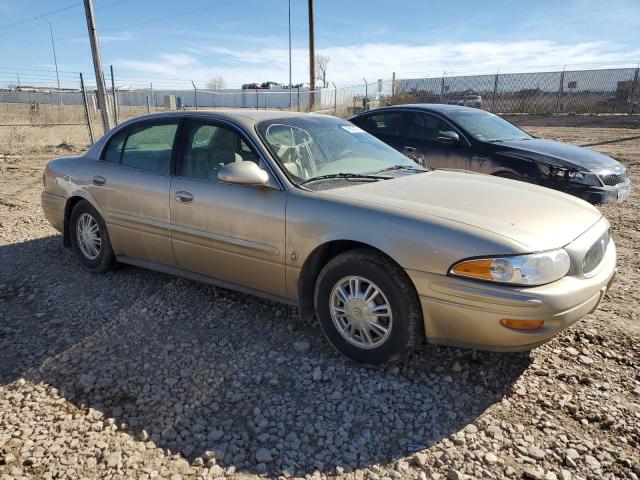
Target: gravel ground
<point x="135" y="374"/>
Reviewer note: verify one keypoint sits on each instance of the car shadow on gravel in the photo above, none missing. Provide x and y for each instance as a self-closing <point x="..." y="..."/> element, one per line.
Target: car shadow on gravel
<point x="207" y="372"/>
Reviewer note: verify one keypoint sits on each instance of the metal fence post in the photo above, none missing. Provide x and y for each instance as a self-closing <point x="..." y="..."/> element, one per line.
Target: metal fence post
<point x="148" y="105"/>
<point x="298" y="97"/>
<point x="195" y="95"/>
<point x="335" y="98"/>
<point x="213" y="99"/>
<point x="560" y="89"/>
<point x="115" y="99"/>
<point x="442" y="88"/>
<point x="393" y="85"/>
<point x="86" y="108"/>
<point x="495" y="90"/>
<point x="634" y="85"/>
<point x="366" y="93"/>
<point x="153" y="98"/>
<point x="257" y="100"/>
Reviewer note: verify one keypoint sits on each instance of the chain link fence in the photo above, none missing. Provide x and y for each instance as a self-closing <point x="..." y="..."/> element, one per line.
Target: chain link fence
<point x="38" y="109"/>
<point x="602" y="91"/>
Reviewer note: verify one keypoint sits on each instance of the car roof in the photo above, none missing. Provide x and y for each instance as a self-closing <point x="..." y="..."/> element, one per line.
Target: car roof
<point x="427" y="107"/>
<point x="238" y="114"/>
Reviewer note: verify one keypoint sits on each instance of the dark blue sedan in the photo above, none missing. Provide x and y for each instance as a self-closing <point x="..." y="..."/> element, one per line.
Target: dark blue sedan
<point x="449" y="136"/>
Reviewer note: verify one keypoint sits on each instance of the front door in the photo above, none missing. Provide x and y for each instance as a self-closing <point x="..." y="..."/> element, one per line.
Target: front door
<point x="422" y="132"/>
<point x="132" y="184"/>
<point x="233" y="233"/>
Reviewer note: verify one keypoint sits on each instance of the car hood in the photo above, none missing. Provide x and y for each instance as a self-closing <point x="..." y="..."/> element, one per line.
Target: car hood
<point x="558" y="154"/>
<point x="536" y="217"/>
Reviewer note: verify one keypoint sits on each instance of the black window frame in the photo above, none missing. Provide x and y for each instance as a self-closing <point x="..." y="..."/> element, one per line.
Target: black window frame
<point x="136" y="126"/>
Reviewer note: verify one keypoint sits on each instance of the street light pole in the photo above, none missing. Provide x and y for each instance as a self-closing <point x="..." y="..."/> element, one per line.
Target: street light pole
<point x="55" y="59"/>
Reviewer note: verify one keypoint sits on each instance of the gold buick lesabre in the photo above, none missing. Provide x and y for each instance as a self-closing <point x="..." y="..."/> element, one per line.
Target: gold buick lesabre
<point x="311" y="210"/>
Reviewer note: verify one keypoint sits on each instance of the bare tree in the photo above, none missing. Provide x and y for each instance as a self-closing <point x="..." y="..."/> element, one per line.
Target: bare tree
<point x="321" y="69"/>
<point x="216" y="83"/>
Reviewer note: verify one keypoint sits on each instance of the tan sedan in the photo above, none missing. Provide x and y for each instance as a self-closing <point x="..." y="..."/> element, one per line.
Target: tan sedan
<point x="312" y="211"/>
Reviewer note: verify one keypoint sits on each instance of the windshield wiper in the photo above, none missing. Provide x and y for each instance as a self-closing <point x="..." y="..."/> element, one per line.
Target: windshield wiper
<point x="347" y="176"/>
<point x="403" y="167"/>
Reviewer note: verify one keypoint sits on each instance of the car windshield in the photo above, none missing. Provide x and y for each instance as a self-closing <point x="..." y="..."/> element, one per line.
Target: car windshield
<point x="485" y="126"/>
<point x="308" y="147"/>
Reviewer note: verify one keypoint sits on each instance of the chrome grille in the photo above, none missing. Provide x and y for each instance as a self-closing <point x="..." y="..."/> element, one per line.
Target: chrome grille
<point x="613" y="179"/>
<point x="595" y="254"/>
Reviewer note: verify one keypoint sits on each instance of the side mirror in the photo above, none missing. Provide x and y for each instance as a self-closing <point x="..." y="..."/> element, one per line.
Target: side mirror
<point x="243" y="173"/>
<point x="449" y="137"/>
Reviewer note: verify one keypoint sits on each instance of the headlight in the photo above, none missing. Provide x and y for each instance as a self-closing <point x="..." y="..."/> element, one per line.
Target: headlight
<point x="574" y="176"/>
<point x="531" y="269"/>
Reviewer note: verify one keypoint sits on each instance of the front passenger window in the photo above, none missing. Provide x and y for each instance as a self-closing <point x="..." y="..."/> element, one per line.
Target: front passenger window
<point x="425" y="127"/>
<point x="209" y="147"/>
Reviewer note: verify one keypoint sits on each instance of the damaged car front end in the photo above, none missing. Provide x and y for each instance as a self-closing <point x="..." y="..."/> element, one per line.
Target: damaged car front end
<point x="604" y="186"/>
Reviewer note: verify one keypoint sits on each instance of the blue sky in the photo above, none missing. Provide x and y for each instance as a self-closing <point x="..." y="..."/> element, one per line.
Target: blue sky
<point x="170" y="42"/>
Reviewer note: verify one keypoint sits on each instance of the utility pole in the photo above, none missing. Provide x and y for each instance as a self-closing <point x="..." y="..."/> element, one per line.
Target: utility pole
<point x="97" y="66"/>
<point x="290" y="92"/>
<point x="312" y="58"/>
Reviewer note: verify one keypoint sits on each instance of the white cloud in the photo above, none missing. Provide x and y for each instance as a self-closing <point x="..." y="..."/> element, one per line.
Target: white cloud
<point x="374" y="60"/>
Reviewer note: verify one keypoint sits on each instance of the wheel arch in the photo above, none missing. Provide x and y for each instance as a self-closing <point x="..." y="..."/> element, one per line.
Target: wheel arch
<point x="71" y="202"/>
<point x="316" y="261"/>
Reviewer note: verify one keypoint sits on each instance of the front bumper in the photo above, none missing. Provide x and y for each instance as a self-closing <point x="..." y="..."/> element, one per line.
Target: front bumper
<point x="467" y="313"/>
<point x="590" y="193"/>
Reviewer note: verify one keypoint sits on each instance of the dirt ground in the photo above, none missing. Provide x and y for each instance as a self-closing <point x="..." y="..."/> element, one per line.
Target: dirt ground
<point x="134" y="374"/>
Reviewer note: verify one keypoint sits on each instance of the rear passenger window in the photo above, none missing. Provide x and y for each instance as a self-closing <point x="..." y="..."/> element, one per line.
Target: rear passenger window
<point x="149" y="148"/>
<point x="114" y="148"/>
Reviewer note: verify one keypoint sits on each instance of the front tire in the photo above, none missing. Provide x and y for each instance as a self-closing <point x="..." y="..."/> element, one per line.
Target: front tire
<point x="367" y="307"/>
<point x="510" y="175"/>
<point x="90" y="239"/>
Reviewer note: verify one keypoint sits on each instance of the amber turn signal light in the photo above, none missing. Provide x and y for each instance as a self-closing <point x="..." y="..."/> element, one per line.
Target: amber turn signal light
<point x="521" y="324"/>
<point x="475" y="268"/>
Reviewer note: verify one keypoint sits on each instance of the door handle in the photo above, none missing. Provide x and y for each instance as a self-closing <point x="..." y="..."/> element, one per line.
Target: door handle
<point x="99" y="180"/>
<point x="184" y="197"/>
<point x="408" y="149"/>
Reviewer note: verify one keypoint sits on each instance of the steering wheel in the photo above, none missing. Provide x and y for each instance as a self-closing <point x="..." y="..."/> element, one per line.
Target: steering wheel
<point x="347" y="153"/>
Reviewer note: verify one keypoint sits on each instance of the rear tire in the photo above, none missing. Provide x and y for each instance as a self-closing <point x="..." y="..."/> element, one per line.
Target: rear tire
<point x="365" y="326"/>
<point x="90" y="239"/>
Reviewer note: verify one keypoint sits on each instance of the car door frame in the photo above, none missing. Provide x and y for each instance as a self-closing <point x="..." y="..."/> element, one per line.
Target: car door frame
<point x="154" y="226"/>
<point x="217" y="236"/>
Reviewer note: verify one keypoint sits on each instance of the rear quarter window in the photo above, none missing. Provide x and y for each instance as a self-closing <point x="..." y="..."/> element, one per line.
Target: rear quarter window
<point x="113" y="151"/>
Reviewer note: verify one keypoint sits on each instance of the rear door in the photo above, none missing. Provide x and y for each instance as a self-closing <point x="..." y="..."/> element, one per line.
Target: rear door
<point x="422" y="131"/>
<point x="132" y="187"/>
<point x="234" y="233"/>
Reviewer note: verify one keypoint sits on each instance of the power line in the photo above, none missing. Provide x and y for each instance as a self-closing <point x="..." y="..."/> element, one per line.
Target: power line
<point x="137" y="24"/>
<point x="45" y="14"/>
<point x="61" y="19"/>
